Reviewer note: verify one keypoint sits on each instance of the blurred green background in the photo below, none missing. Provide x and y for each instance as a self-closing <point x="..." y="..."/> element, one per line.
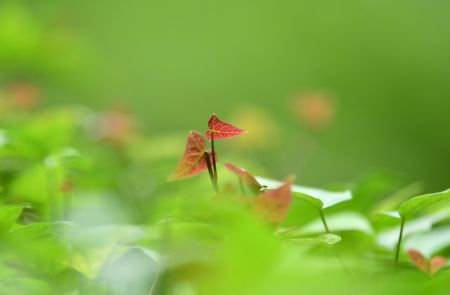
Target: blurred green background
<point x="384" y="64"/>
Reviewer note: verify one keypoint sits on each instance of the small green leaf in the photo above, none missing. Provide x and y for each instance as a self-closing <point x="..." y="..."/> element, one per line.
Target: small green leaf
<point x="8" y="215"/>
<point x="313" y="201"/>
<point x="387" y="219"/>
<point x="327" y="239"/>
<point x="413" y="205"/>
<point x="319" y="198"/>
<point x="392" y="214"/>
<point x="342" y="221"/>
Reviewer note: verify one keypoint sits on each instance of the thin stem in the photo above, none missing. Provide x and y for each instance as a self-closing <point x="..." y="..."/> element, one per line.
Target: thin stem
<point x="241" y="186"/>
<point x="322" y="217"/>
<point x="399" y="242"/>
<point x="67" y="204"/>
<point x="211" y="172"/>
<point x="213" y="151"/>
<point x="51" y="194"/>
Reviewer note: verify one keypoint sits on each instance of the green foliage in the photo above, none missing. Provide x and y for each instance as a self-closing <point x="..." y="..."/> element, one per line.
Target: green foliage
<point x="82" y="213"/>
<point x="319" y="198"/>
<point x="416" y="204"/>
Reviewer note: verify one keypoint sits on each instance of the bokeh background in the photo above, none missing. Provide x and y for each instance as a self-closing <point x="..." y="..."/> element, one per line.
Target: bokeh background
<point x="333" y="91"/>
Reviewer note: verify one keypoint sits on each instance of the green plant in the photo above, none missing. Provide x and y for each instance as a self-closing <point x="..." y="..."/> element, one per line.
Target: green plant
<point x="196" y="158"/>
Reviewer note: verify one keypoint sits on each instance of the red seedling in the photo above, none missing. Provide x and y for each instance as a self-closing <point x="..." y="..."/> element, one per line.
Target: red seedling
<point x="195" y="159"/>
<point x="273" y="205"/>
<point x="219" y="129"/>
<point x="430" y="267"/>
<point x="245" y="177"/>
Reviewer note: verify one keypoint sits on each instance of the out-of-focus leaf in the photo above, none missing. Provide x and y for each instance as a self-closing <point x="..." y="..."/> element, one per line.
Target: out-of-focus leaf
<point x="419" y="260"/>
<point x="391" y="201"/>
<point x="343" y="221"/>
<point x="273" y="205"/>
<point x="436" y="263"/>
<point x="192" y="162"/>
<point x="392" y="214"/>
<point x="52" y="130"/>
<point x="429" y="267"/>
<point x="430" y="242"/>
<point x="319" y="198"/>
<point x="134" y="272"/>
<point x="8" y="215"/>
<point x="32" y="184"/>
<point x="412" y="206"/>
<point x="389" y="237"/>
<point x="222" y="129"/>
<point x="246" y="177"/>
<point x="322" y="239"/>
<point x="41" y="229"/>
<point x="92" y="245"/>
<point x="62" y="157"/>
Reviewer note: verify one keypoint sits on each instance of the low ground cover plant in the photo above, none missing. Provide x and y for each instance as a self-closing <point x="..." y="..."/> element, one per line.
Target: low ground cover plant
<point x="88" y="210"/>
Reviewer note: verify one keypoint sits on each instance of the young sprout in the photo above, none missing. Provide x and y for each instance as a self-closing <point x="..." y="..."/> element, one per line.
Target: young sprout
<point x="219" y="129"/>
<point x="414" y="205"/>
<point x="273" y="205"/>
<point x="428" y="266"/>
<point x="195" y="160"/>
<point x="245" y="177"/>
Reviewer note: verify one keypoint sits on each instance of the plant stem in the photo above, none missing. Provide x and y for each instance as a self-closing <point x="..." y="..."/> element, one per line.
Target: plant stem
<point x="67" y="204"/>
<point x="241" y="186"/>
<point x="213" y="151"/>
<point x="322" y="216"/>
<point x="51" y="194"/>
<point x="211" y="172"/>
<point x="399" y="242"/>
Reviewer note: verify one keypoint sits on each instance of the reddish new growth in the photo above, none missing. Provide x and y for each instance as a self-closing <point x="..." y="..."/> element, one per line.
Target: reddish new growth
<point x="430" y="267"/>
<point x="24" y="96"/>
<point x="246" y="177"/>
<point x="273" y="205"/>
<point x="116" y="125"/>
<point x="193" y="160"/>
<point x="219" y="129"/>
<point x="67" y="186"/>
<point x="315" y="109"/>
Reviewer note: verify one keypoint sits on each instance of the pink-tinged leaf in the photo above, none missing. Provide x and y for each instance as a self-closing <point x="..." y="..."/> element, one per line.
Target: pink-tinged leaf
<point x="436" y="264"/>
<point x="192" y="162"/>
<point x="273" y="205"/>
<point x="247" y="178"/>
<point x="222" y="129"/>
<point x="419" y="260"/>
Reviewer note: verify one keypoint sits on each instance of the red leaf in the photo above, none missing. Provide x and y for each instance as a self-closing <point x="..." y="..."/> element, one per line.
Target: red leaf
<point x="222" y="129"/>
<point x="436" y="264"/>
<point x="245" y="176"/>
<point x="192" y="162"/>
<point x="273" y="205"/>
<point x="419" y="260"/>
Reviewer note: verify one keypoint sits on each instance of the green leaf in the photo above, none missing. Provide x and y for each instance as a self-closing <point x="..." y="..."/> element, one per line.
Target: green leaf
<point x="133" y="272"/>
<point x="413" y="205"/>
<point x="429" y="243"/>
<point x="8" y="215"/>
<point x="386" y="219"/>
<point x="343" y="221"/>
<point x="388" y="238"/>
<point x="319" y="198"/>
<point x="391" y="214"/>
<point x="322" y="239"/>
